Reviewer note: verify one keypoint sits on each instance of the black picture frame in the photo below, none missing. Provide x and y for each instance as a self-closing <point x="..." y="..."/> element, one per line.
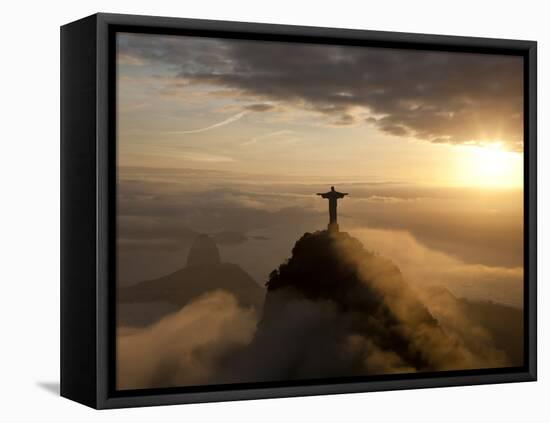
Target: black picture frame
<point x="88" y="172"/>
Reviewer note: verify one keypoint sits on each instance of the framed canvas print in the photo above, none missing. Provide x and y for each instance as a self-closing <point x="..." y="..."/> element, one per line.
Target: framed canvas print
<point x="255" y="211"/>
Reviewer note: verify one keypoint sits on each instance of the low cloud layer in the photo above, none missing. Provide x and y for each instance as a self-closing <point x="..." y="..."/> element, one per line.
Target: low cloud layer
<point x="184" y="348"/>
<point x="424" y="267"/>
<point x="349" y="314"/>
<point x="440" y="97"/>
<point x="467" y="240"/>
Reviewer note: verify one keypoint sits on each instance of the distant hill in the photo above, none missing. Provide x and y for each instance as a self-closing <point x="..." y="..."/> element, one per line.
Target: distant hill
<point x="188" y="283"/>
<point x="203" y="273"/>
<point x="503" y="323"/>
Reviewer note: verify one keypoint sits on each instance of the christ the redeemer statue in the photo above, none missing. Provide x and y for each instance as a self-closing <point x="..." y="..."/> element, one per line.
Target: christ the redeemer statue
<point x="332" y="196"/>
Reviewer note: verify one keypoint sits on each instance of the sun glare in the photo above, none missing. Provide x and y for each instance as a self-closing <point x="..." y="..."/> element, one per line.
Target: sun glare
<point x="490" y="166"/>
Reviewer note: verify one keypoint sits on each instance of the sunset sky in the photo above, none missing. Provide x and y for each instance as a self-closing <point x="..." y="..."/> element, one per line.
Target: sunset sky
<point x="232" y="136"/>
<point x="356" y="113"/>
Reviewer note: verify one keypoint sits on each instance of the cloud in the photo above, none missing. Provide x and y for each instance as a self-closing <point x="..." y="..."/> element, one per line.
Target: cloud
<point x="344" y="119"/>
<point x="476" y="227"/>
<point x="279" y="136"/>
<point x="206" y="157"/>
<point x="335" y="310"/>
<point x="424" y="267"/>
<point x="224" y="122"/>
<point x="185" y="347"/>
<point x="235" y="238"/>
<point x="457" y="98"/>
<point x="158" y="218"/>
<point x="481" y="325"/>
<point x="260" y="107"/>
<point x="478" y="232"/>
<point x="128" y="59"/>
<point x="332" y="310"/>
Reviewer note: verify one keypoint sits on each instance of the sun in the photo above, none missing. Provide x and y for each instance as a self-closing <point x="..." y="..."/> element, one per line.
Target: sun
<point x="490" y="166"/>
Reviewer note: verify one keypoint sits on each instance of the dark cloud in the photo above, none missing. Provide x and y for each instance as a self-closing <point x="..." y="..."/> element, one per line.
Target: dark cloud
<point x="259" y="107"/>
<point x="344" y="119"/>
<point x="434" y="96"/>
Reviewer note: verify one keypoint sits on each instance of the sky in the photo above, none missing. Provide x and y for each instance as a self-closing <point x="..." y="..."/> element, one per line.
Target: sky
<point x="400" y="115"/>
<point x="234" y="137"/>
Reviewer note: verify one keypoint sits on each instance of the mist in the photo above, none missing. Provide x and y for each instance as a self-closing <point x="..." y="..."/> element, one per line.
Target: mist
<point x="334" y="309"/>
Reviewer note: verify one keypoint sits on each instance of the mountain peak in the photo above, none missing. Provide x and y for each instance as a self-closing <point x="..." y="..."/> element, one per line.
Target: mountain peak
<point x="367" y="290"/>
<point x="203" y="252"/>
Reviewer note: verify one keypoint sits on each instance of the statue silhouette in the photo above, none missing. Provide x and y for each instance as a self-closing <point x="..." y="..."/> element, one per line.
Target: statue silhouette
<point x="332" y="196"/>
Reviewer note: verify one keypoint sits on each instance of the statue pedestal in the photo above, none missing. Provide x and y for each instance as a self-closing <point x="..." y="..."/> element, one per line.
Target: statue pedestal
<point x="333" y="227"/>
